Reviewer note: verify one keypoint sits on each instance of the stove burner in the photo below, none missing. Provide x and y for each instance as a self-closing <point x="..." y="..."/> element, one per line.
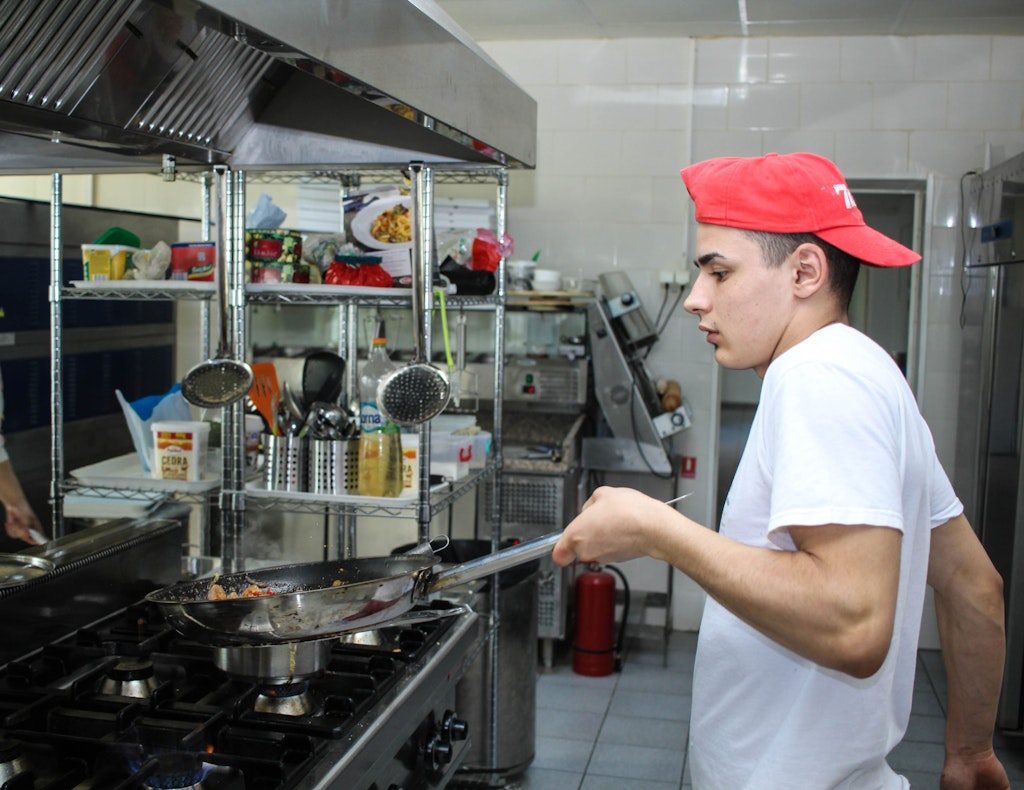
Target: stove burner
<point x="176" y="772"/>
<point x="130" y="677"/>
<point x="11" y="762"/>
<point x="289" y="699"/>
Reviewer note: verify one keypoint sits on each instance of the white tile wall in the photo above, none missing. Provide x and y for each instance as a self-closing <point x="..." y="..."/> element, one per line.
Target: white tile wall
<point x="934" y="106"/>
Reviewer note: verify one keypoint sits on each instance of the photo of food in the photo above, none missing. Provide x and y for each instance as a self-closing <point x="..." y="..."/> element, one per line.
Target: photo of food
<point x="384" y="224"/>
<point x="393" y="226"/>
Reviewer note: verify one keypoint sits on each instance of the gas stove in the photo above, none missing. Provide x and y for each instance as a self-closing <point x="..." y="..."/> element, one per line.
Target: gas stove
<point x="126" y="702"/>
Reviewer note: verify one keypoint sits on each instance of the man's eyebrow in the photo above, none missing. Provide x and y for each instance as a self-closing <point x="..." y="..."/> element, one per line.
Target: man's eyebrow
<point x="706" y="258"/>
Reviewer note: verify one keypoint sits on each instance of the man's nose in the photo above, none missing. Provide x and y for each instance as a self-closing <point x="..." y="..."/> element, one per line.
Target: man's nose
<point x="695" y="301"/>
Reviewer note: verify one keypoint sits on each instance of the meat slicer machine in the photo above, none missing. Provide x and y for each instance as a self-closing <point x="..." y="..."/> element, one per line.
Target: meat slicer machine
<point x="620" y="333"/>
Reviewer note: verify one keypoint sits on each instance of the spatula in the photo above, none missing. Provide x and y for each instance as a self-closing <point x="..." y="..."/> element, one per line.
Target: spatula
<point x="266" y="394"/>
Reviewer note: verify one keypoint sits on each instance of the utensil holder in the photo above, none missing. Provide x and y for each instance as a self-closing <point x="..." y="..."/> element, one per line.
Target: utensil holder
<point x="285" y="468"/>
<point x="333" y="466"/>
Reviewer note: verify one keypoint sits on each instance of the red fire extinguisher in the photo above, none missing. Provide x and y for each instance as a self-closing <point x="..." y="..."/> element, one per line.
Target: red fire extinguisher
<point x="596" y="652"/>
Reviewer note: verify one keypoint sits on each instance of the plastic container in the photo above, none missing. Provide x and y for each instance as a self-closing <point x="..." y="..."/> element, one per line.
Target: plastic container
<point x="546" y="280"/>
<point x="253" y="429"/>
<point x="410" y="464"/>
<point x="106" y="261"/>
<point x="481" y="449"/>
<point x="450" y="454"/>
<point x="520" y="274"/>
<point x="380" y="440"/>
<point x="179" y="450"/>
<point x="446" y="423"/>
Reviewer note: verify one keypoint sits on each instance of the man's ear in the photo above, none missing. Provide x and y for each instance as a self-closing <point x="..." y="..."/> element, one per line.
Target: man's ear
<point x="810" y="270"/>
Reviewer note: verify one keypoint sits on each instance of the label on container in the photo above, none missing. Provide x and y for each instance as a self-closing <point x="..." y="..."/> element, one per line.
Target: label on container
<point x="176" y="455"/>
<point x="372" y="421"/>
<point x="193" y="261"/>
<point x="410" y="463"/>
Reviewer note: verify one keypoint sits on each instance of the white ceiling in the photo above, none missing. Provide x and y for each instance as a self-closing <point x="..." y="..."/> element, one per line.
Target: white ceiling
<point x="546" y="19"/>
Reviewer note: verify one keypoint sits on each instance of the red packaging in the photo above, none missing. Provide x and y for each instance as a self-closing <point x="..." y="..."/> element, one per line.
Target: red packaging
<point x="488" y="250"/>
<point x="194" y="260"/>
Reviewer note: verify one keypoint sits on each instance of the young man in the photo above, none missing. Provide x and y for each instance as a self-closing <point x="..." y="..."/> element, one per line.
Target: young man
<point x="838" y="516"/>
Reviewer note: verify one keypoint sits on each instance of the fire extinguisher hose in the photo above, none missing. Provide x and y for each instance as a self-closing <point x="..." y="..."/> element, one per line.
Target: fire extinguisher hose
<point x="621" y="641"/>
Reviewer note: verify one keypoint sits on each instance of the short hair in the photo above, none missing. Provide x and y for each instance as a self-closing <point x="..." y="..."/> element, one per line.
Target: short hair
<point x="843" y="268"/>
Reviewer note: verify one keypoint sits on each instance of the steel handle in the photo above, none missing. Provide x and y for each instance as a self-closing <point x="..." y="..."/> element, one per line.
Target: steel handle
<point x="493" y="563"/>
<point x="220" y="173"/>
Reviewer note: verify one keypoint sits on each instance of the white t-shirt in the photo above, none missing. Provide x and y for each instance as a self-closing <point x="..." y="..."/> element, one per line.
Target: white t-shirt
<point x="837" y="438"/>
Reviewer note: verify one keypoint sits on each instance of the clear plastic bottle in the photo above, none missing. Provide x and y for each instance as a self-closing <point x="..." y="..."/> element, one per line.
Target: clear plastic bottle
<point x="380" y="440"/>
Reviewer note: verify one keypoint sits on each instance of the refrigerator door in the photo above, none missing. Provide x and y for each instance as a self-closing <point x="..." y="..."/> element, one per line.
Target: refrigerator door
<point x="992" y="403"/>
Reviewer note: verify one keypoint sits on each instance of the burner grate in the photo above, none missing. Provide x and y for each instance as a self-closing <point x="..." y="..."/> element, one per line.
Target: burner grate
<point x="78" y="729"/>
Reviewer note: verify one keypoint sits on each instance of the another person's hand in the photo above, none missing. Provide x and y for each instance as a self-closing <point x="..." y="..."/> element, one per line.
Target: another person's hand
<point x="974" y="772"/>
<point x="21" y="521"/>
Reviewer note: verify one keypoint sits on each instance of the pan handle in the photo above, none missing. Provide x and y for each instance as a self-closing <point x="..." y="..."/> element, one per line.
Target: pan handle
<point x="428" y="548"/>
<point x="492" y="563"/>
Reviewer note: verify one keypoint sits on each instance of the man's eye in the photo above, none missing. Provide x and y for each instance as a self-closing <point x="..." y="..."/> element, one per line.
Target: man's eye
<point x="719" y="274"/>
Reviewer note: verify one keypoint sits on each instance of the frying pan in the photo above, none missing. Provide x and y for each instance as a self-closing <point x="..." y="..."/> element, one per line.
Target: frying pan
<point x="17" y="569"/>
<point x="323" y="599"/>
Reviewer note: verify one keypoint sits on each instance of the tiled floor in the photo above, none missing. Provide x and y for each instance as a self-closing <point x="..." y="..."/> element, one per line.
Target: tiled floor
<point x="628" y="731"/>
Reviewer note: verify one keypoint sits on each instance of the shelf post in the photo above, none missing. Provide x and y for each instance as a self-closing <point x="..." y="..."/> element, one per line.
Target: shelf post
<point x="56" y="358"/>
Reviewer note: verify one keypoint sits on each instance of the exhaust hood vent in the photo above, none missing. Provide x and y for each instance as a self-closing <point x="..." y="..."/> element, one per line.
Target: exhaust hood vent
<point x="120" y="80"/>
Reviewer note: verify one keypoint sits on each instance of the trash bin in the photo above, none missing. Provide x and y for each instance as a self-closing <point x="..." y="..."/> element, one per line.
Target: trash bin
<point x="517" y="673"/>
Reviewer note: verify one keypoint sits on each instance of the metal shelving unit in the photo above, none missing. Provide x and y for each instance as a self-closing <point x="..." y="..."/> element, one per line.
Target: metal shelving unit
<point x="232" y="493"/>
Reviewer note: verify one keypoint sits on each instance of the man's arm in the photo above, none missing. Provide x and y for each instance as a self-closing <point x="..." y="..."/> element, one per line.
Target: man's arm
<point x="831" y="601"/>
<point x="20" y="518"/>
<point x="969" y="610"/>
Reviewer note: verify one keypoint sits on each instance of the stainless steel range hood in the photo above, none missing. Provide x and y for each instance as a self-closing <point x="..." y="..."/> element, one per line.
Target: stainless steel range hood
<point x="119" y="84"/>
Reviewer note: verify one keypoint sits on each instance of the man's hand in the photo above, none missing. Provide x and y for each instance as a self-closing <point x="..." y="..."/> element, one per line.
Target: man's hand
<point x="614" y="525"/>
<point x="974" y="772"/>
<point x="969" y="612"/>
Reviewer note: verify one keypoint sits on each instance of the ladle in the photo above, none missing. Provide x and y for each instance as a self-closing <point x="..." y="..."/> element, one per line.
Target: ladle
<point x="222" y="380"/>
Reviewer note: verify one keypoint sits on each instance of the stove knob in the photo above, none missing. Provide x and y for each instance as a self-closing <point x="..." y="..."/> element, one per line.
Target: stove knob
<point x="455" y="728"/>
<point x="438" y="750"/>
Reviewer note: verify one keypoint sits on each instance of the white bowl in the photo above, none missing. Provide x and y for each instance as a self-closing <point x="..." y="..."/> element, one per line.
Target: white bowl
<point x="546" y="280"/>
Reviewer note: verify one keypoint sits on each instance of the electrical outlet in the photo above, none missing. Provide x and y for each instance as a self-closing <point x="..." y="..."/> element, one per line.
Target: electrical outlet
<point x="682" y="277"/>
<point x="666" y="277"/>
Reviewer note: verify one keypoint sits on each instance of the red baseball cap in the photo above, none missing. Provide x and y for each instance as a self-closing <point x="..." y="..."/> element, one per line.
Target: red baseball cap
<point x="789" y="193"/>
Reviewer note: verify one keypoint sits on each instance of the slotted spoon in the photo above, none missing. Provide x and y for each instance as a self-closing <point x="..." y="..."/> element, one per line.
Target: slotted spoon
<point x="417" y="392"/>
